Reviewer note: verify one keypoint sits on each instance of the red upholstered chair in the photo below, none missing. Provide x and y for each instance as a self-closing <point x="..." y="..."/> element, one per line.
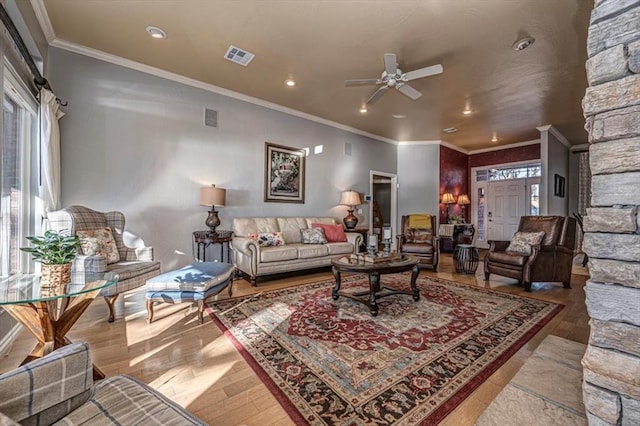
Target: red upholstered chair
<point x="549" y="261"/>
<point x="418" y="238"/>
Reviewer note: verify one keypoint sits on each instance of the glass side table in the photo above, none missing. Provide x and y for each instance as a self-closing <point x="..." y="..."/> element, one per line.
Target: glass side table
<point x="203" y="239"/>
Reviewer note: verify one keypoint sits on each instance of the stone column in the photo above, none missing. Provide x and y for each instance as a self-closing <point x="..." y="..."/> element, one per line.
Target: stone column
<point x="611" y="386"/>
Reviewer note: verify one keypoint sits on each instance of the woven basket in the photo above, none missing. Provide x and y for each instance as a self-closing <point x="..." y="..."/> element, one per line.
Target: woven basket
<point x="55" y="276"/>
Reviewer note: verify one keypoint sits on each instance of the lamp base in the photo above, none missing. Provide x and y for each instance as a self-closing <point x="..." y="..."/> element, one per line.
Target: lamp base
<point x="212" y="220"/>
<point x="350" y="221"/>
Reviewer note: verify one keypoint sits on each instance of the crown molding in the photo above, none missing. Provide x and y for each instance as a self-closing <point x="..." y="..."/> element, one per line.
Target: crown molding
<point x="455" y="148"/>
<point x="501" y="147"/>
<point x="43" y="19"/>
<point x="580" y="148"/>
<point x="555" y="132"/>
<point x="147" y="69"/>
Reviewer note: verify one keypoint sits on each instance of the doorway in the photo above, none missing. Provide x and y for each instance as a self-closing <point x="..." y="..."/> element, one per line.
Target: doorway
<point x="383" y="188"/>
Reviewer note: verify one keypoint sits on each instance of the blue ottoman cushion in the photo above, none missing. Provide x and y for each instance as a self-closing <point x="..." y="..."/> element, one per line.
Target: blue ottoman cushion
<point x="192" y="283"/>
<point x="197" y="277"/>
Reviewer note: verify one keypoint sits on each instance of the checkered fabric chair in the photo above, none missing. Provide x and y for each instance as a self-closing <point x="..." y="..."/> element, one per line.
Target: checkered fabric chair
<point x="59" y="388"/>
<point x="136" y="265"/>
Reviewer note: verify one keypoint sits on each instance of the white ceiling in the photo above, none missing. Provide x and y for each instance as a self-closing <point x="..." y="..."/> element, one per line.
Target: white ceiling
<point x="322" y="43"/>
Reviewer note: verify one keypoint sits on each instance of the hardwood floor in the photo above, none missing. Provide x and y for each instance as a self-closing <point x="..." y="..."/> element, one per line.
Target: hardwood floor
<point x="196" y="366"/>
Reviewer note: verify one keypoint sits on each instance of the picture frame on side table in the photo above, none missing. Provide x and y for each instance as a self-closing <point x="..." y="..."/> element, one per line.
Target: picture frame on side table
<point x="284" y="174"/>
<point x="558" y="185"/>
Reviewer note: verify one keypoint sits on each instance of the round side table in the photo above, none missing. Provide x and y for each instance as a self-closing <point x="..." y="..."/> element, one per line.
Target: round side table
<point x="466" y="259"/>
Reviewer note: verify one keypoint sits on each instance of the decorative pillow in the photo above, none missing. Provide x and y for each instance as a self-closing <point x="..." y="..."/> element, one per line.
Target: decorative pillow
<point x="268" y="239"/>
<point x="333" y="233"/>
<point x="99" y="242"/>
<point x="522" y="242"/>
<point x="313" y="236"/>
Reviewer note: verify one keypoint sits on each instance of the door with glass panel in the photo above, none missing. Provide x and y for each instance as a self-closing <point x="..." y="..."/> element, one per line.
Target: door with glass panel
<point x="505" y="205"/>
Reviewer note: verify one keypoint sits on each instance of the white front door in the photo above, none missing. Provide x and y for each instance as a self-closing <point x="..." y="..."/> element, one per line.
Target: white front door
<point x="505" y="205"/>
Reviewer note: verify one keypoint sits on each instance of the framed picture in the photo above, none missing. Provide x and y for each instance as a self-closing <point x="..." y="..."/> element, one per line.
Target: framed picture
<point x="558" y="185"/>
<point x="284" y="170"/>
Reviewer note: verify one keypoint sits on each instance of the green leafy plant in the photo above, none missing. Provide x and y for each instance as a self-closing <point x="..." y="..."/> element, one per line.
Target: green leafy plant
<point x="53" y="248"/>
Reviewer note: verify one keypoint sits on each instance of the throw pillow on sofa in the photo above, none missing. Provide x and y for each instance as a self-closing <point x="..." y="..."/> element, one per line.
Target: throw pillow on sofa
<point x="99" y="242"/>
<point x="313" y="236"/>
<point x="333" y="233"/>
<point x="268" y="239"/>
<point x="522" y="242"/>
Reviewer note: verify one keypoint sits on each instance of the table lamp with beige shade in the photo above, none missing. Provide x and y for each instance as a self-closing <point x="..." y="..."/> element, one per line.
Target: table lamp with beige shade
<point x="351" y="199"/>
<point x="463" y="200"/>
<point x="212" y="196"/>
<point x="447" y="199"/>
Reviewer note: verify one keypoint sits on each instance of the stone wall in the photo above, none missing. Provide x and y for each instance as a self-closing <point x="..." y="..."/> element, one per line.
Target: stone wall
<point x="611" y="387"/>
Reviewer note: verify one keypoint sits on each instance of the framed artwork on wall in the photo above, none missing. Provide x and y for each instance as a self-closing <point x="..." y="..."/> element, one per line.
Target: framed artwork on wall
<point x="558" y="185"/>
<point x="284" y="170"/>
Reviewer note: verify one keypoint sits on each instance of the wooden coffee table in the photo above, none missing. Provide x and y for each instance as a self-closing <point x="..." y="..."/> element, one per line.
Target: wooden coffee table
<point x="374" y="271"/>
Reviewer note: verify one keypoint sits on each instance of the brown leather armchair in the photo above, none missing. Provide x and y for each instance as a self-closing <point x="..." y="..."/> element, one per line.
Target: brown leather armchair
<point x="549" y="261"/>
<point x="422" y="243"/>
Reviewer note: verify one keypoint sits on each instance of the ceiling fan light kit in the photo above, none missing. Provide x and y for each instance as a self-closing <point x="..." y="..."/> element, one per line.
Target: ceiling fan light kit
<point x="392" y="76"/>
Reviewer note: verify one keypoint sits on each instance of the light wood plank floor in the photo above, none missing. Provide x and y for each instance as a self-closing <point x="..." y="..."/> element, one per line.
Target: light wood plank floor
<point x="197" y="367"/>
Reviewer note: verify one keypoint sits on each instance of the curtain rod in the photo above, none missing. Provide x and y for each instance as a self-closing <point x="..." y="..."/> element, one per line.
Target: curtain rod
<point x="38" y="79"/>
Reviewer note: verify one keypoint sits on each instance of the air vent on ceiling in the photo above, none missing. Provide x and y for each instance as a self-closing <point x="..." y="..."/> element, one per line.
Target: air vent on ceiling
<point x="239" y="56"/>
<point x="210" y="117"/>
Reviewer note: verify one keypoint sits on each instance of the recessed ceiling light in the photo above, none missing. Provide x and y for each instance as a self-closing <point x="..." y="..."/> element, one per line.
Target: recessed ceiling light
<point x="523" y="43"/>
<point x="399" y="116"/>
<point x="363" y="110"/>
<point x="494" y="138"/>
<point x="467" y="112"/>
<point x="156" y="32"/>
<point x="450" y="130"/>
<point x="290" y="83"/>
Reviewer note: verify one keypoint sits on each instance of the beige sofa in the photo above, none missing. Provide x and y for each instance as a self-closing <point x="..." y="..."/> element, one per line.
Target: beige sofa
<point x="257" y="261"/>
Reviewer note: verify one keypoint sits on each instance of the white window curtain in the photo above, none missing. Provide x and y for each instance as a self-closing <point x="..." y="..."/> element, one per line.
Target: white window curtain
<point x="50" y="113"/>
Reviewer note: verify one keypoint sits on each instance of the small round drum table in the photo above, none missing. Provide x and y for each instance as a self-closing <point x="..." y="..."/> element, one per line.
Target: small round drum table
<point x="466" y="258"/>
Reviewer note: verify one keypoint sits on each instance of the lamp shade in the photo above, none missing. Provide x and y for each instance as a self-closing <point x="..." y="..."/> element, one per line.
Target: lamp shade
<point x="212" y="196"/>
<point x="350" y="198"/>
<point x="463" y="199"/>
<point x="447" y="198"/>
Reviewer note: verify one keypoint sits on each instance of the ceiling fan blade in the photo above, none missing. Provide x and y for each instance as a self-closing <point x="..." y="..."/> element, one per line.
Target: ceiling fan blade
<point x="390" y="63"/>
<point x="377" y="95"/>
<point x="422" y="72"/>
<point x="362" y="82"/>
<point x="409" y="91"/>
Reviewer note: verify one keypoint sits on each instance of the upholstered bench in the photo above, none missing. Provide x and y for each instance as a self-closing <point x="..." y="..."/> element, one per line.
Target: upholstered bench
<point x="193" y="283"/>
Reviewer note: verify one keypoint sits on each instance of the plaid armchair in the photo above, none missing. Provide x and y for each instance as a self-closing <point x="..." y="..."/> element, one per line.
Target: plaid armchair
<point x="59" y="388"/>
<point x="136" y="265"/>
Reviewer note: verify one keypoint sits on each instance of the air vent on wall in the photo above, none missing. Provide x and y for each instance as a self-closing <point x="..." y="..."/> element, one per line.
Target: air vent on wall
<point x="239" y="56"/>
<point x="210" y="117"/>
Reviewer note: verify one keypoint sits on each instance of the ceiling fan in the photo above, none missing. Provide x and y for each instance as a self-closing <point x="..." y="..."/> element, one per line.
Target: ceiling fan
<point x="392" y="76"/>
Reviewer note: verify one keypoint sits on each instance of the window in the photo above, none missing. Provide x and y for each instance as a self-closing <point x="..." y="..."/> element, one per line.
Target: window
<point x="16" y="184"/>
<point x="515" y="172"/>
<point x="534" y="202"/>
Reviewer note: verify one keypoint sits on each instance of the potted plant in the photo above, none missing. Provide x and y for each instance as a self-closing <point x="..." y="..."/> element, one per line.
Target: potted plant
<point x="55" y="252"/>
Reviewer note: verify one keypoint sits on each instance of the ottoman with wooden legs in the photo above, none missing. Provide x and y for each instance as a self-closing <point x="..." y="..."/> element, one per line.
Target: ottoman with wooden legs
<point x="193" y="283"/>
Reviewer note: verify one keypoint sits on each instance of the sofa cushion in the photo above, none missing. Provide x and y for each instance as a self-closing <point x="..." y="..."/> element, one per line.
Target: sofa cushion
<point x="503" y="257"/>
<point x="268" y="239"/>
<point x="324" y="220"/>
<point x="290" y="227"/>
<point x="128" y="270"/>
<point x="124" y="400"/>
<point x="99" y="242"/>
<point x="313" y="236"/>
<point x="254" y="225"/>
<point x="308" y="251"/>
<point x="279" y="253"/>
<point x="333" y="233"/>
<point x="339" y="248"/>
<point x="418" y="248"/>
<point x="522" y="242"/>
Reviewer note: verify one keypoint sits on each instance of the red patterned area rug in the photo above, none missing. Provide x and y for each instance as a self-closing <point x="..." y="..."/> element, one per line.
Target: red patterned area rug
<point x="330" y="362"/>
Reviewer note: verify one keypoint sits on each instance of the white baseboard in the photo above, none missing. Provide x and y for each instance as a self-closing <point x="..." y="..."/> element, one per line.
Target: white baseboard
<point x="8" y="339"/>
